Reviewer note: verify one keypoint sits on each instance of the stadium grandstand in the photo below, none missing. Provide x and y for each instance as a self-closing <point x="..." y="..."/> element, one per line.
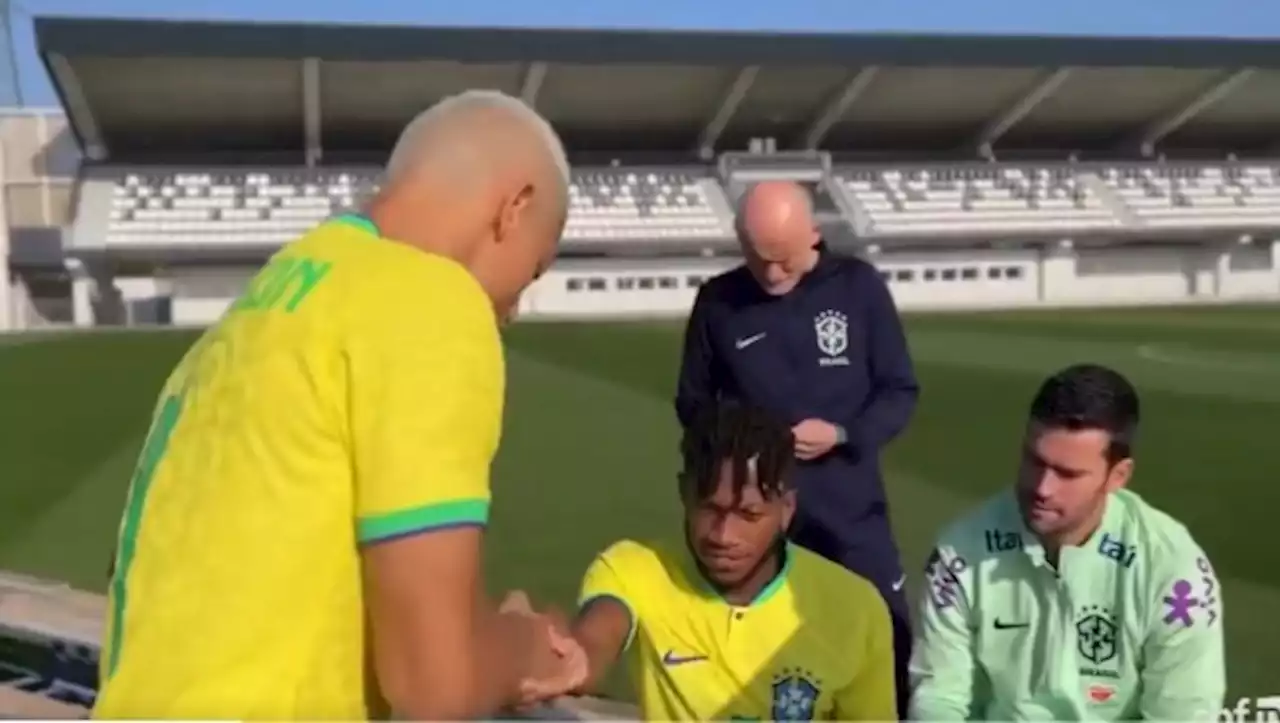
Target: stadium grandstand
<point x="974" y="171"/>
<point x="39" y="160"/>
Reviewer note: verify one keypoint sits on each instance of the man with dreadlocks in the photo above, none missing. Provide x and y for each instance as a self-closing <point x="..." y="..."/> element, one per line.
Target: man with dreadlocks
<point x="736" y="623"/>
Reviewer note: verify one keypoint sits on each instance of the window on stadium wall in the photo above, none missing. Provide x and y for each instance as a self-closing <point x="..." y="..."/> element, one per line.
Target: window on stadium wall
<point x="1251" y="257"/>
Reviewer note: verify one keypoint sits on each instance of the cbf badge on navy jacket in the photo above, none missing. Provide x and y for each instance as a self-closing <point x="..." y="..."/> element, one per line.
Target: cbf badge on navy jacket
<point x="1128" y="626"/>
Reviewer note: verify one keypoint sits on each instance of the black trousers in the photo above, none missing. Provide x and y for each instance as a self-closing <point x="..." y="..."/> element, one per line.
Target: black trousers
<point x="878" y="562"/>
<point x="900" y="613"/>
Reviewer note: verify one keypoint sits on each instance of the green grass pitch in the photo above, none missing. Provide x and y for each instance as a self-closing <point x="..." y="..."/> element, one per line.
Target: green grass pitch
<point x="590" y="444"/>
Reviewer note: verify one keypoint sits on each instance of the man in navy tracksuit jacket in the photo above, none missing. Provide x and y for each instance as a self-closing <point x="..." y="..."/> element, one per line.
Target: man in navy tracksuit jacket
<point x="815" y="338"/>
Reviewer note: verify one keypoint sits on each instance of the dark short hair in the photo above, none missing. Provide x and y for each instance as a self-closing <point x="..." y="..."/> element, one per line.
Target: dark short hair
<point x="1090" y="396"/>
<point x="729" y="431"/>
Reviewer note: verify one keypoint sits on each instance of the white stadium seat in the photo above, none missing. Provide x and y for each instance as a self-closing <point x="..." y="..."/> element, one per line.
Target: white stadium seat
<point x="638" y="204"/>
<point x="256" y="207"/>
<point x="273" y="206"/>
<point x="965" y="199"/>
<point x="1238" y="194"/>
<point x="974" y="199"/>
<point x="607" y="205"/>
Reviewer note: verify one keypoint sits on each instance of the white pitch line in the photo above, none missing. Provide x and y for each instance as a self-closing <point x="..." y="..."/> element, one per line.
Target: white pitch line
<point x="1176" y="357"/>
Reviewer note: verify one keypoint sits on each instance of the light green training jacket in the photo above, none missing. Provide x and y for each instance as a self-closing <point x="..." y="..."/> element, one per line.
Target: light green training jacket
<point x="1128" y="627"/>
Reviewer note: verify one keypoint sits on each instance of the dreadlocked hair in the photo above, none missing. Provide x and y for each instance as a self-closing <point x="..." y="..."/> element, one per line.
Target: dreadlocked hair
<point x="745" y="435"/>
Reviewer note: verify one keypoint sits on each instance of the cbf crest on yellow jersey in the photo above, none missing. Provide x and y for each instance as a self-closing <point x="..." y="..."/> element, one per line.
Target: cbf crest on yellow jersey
<point x="816" y="644"/>
<point x="352" y="394"/>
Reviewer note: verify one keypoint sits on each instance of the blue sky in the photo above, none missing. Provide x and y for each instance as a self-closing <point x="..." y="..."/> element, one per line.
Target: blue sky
<point x="1219" y="18"/>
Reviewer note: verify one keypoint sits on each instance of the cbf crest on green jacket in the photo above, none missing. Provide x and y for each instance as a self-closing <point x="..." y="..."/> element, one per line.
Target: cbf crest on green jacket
<point x="1129" y="625"/>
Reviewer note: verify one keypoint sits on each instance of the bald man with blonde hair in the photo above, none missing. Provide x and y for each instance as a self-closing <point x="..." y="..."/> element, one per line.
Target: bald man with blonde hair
<point x="814" y="337"/>
<point x="302" y="536"/>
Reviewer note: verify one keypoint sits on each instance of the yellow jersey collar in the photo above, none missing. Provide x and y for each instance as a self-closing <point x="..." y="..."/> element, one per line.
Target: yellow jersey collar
<point x="779" y="580"/>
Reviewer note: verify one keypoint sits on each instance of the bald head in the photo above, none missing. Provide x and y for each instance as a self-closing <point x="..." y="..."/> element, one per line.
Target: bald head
<point x="478" y="133"/>
<point x="479" y="177"/>
<point x="774" y="208"/>
<point x="778" y="233"/>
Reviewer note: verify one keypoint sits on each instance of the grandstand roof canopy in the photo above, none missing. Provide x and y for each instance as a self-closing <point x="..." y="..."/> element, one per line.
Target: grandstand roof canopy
<point x="137" y="88"/>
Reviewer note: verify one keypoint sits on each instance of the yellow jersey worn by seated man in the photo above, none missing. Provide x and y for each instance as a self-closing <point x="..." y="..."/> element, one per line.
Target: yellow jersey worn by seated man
<point x="816" y="644"/>
<point x="351" y="395"/>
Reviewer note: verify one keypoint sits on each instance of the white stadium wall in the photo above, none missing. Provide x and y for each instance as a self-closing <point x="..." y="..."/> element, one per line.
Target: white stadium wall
<point x="961" y="279"/>
<point x="920" y="280"/>
<point x="943" y="279"/>
<point x="194" y="297"/>
<point x="1068" y="276"/>
<point x="200" y="297"/>
<point x="618" y="288"/>
<point x="1161" y="275"/>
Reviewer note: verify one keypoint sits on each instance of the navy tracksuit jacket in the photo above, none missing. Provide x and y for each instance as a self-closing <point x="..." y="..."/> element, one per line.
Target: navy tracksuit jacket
<point x="833" y="349"/>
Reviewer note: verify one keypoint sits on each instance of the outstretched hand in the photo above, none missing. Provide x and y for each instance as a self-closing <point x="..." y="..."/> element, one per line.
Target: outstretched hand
<point x="562" y="667"/>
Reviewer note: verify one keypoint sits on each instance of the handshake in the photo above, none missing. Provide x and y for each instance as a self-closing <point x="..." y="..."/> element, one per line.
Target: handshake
<point x="557" y="664"/>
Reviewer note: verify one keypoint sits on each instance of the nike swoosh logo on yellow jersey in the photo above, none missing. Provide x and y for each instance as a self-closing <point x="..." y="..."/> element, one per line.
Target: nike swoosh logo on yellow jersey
<point x="672" y="659"/>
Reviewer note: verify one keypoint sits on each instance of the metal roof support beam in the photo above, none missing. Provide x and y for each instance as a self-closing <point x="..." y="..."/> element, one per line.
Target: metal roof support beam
<point x="78" y="107"/>
<point x="1162" y="127"/>
<point x="1045" y="86"/>
<point x="532" y="83"/>
<point x="835" y="108"/>
<point x="728" y="105"/>
<point x="311" y="109"/>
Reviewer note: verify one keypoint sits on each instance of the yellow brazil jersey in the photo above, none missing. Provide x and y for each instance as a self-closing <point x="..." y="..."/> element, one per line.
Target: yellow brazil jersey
<point x="352" y="394"/>
<point x="816" y="644"/>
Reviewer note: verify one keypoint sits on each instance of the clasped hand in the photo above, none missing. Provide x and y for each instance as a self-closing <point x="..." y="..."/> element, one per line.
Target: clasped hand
<point x="559" y="664"/>
<point x="814" y="438"/>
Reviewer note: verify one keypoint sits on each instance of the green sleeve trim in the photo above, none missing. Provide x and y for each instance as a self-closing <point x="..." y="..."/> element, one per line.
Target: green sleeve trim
<point x="361" y="222"/>
<point x="427" y="518"/>
<point x="631" y="631"/>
